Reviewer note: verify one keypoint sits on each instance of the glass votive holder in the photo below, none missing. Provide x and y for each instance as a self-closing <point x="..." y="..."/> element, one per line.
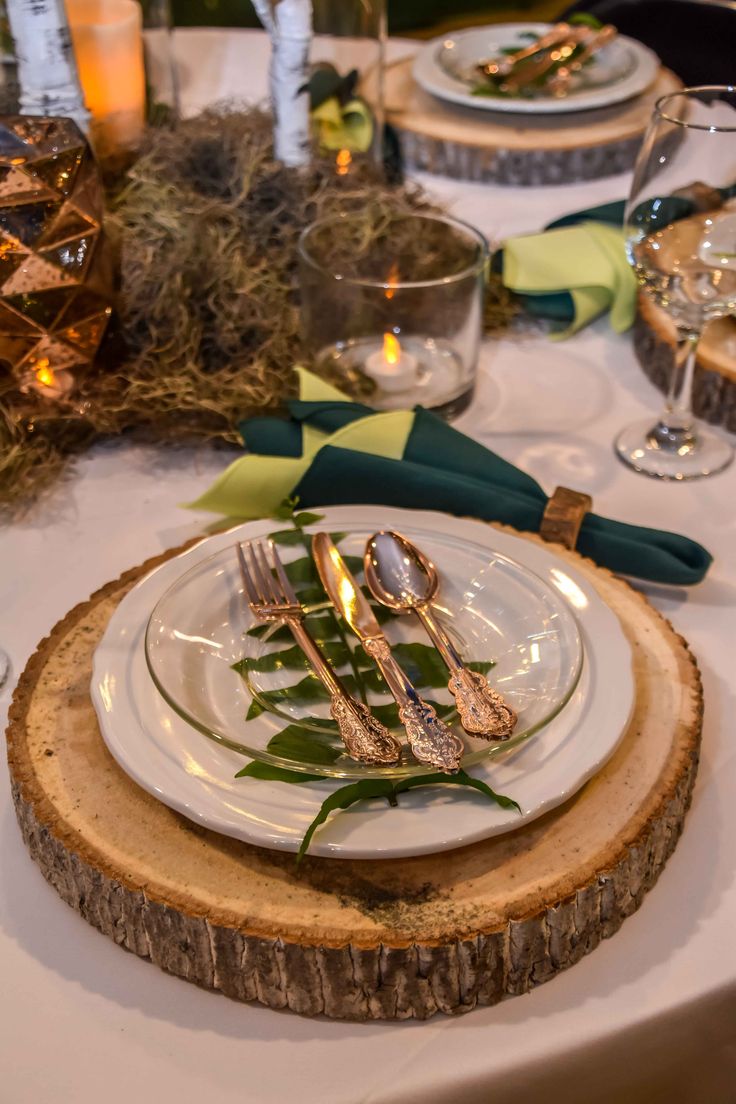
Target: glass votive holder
<point x="347" y="58"/>
<point x="392" y="307"/>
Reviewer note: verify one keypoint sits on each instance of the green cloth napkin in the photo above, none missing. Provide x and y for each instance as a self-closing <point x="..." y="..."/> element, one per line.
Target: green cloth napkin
<point x="575" y="270"/>
<point x="587" y="260"/>
<point x="332" y="451"/>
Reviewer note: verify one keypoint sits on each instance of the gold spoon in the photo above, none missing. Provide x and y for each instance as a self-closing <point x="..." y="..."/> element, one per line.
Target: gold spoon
<point x="402" y="578"/>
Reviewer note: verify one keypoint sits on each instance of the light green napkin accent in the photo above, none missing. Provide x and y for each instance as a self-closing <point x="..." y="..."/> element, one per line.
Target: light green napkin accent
<point x="253" y="486"/>
<point x="344" y="127"/>
<point x="314" y="389"/>
<point x="588" y="260"/>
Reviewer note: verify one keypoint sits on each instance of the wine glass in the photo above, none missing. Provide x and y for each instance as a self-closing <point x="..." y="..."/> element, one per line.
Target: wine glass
<point x="4" y="669"/>
<point x="680" y="227"/>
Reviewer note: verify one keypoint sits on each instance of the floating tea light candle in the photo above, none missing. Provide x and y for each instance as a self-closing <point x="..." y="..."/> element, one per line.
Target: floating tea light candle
<point x="392" y="367"/>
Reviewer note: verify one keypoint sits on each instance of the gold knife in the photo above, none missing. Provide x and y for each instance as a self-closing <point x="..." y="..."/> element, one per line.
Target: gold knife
<point x="430" y="740"/>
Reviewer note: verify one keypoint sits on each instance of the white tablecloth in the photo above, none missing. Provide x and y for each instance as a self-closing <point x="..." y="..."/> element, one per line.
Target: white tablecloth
<point x="650" y="1016"/>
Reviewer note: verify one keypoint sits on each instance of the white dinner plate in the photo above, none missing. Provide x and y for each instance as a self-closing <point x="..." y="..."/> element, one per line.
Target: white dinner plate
<point x="618" y="72"/>
<point x="195" y="776"/>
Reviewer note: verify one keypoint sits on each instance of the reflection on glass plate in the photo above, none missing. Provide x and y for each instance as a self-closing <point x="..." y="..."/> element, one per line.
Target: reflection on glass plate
<point x="248" y="686"/>
<point x="446" y="67"/>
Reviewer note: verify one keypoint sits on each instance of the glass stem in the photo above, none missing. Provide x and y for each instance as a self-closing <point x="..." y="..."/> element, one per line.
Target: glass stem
<point x="4" y="668"/>
<point x="675" y="430"/>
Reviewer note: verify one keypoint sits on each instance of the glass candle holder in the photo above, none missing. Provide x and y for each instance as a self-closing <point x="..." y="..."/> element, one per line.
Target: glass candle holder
<point x="346" y="90"/>
<point x="392" y="307"/>
<point x="162" y="79"/>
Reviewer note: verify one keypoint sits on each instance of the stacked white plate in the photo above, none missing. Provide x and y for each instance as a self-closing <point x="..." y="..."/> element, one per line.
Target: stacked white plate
<point x="488" y="578"/>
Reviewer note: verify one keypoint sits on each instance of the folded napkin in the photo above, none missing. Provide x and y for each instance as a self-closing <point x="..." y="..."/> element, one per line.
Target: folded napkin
<point x="574" y="270"/>
<point x="577" y="268"/>
<point x="332" y="451"/>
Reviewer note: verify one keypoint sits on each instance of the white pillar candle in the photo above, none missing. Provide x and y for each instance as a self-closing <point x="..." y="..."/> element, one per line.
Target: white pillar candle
<point x="108" y="45"/>
<point x="392" y="368"/>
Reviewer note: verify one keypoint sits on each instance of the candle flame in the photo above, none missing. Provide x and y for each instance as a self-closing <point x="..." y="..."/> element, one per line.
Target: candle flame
<point x="343" y="161"/>
<point x="392" y="280"/>
<point x="391" y="349"/>
<point x="45" y="373"/>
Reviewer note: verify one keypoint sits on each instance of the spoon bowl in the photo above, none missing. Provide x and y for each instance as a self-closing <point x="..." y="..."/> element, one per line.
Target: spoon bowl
<point x="398" y="574"/>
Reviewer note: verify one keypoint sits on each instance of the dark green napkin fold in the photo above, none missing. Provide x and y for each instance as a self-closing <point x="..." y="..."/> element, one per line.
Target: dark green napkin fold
<point x="442" y="469"/>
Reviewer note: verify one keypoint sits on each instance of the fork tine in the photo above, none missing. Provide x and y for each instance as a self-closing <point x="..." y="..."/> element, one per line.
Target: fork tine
<point x="245" y="576"/>
<point x="255" y="574"/>
<point x="283" y="578"/>
<point x="268" y="582"/>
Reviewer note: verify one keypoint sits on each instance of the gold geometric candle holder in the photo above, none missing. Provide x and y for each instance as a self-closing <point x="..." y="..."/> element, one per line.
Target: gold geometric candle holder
<point x="56" y="277"/>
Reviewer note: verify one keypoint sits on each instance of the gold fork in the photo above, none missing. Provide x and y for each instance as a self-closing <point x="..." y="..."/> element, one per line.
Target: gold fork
<point x="271" y="597"/>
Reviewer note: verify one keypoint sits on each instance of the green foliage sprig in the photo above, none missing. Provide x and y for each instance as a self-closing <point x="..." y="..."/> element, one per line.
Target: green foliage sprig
<point x="382" y="787"/>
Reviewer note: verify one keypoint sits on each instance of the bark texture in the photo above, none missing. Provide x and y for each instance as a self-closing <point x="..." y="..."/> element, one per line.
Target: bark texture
<point x="714" y="385"/>
<point x="47" y="70"/>
<point x="521" y="150"/>
<point x="352" y="940"/>
<point x="289" y="25"/>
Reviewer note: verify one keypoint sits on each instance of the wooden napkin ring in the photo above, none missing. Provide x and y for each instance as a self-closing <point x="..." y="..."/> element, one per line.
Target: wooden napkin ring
<point x="563" y="516"/>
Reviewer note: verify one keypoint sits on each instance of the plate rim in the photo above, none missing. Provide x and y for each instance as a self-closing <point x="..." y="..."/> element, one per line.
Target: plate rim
<point x="436" y="82"/>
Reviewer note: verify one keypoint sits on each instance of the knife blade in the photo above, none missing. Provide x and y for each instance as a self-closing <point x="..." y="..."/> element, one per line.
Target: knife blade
<point x="430" y="740"/>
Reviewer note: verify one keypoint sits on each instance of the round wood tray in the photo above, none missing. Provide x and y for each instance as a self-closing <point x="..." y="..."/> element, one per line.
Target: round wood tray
<point x="470" y="144"/>
<point x="353" y="940"/>
<point x="714" y="385"/>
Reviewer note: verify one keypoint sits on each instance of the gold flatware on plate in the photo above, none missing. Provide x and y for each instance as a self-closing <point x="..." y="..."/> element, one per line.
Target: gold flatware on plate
<point x="561" y="53"/>
<point x="402" y="578"/>
<point x="502" y="66"/>
<point x="271" y="597"/>
<point x="430" y="740"/>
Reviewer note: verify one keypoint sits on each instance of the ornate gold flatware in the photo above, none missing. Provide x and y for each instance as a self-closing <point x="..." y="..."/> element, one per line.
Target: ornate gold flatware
<point x="272" y="598"/>
<point x="402" y="578"/>
<point x="430" y="740"/>
<point x="551" y="61"/>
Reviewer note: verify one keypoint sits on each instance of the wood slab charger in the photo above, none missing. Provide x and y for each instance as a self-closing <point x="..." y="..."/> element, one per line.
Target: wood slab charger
<point x="353" y="940"/>
<point x="473" y="144"/>
<point x="714" y="385"/>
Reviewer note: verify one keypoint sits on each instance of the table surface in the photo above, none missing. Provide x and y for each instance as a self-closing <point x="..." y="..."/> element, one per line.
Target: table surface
<point x="650" y="1016"/>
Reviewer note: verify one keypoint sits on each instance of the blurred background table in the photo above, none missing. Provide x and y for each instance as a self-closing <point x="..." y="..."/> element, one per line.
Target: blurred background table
<point x="650" y="1016"/>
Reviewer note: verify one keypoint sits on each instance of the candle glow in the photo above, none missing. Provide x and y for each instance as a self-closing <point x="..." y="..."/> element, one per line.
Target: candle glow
<point x="391" y="350"/>
<point x="392" y="367"/>
<point x="45" y="373"/>
<point x="42" y="379"/>
<point x="392" y="281"/>
<point x="108" y="45"/>
<point x="343" y="161"/>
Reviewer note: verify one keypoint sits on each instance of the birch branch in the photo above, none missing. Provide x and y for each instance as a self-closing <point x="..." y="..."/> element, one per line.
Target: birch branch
<point x="47" y="70"/>
<point x="289" y="24"/>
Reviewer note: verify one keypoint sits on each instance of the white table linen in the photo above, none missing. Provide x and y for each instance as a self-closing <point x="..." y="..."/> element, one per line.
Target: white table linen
<point x="649" y="1016"/>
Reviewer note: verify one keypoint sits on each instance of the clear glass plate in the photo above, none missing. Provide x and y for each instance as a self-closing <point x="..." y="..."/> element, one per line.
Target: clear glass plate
<point x="497" y="612"/>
